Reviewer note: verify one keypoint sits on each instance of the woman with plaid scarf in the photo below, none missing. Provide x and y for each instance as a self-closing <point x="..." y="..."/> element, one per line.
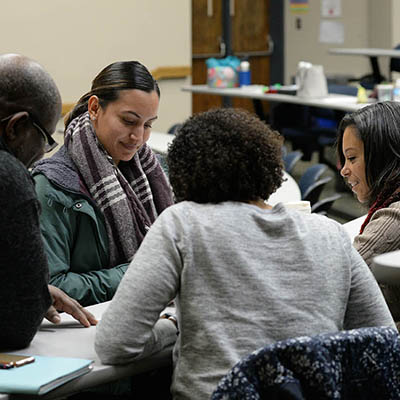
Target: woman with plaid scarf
<point x="104" y="188"/>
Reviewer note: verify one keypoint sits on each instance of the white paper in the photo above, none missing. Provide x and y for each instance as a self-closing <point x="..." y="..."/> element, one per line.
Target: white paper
<point x="331" y="32"/>
<point x="331" y="8"/>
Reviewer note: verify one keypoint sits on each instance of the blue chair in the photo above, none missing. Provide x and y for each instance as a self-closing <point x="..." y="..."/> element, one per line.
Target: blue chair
<point x="291" y="159"/>
<point x="311" y="184"/>
<point x="163" y="162"/>
<point x="323" y="206"/>
<point x="172" y="130"/>
<point x="358" y="364"/>
<point x="284" y="151"/>
<point x="310" y="176"/>
<point x="314" y="191"/>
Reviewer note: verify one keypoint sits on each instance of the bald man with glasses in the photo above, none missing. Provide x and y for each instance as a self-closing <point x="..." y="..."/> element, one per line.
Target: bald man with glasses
<point x="30" y="107"/>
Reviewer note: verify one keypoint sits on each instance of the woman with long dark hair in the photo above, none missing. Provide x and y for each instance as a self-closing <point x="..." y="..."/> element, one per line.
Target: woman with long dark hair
<point x="368" y="146"/>
<point x="104" y="188"/>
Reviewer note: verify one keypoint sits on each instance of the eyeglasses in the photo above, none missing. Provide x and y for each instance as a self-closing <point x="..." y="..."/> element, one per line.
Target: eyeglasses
<point x="50" y="143"/>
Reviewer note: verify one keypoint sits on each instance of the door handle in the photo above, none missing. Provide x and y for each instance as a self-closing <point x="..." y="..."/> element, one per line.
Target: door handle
<point x="221" y="54"/>
<point x="260" y="53"/>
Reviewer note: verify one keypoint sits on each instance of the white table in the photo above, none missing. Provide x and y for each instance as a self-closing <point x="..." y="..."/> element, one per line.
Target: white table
<point x="386" y="268"/>
<point x="372" y="53"/>
<point x="332" y="101"/>
<point x="353" y="227"/>
<point x="159" y="141"/>
<point x="288" y="192"/>
<point x="70" y="339"/>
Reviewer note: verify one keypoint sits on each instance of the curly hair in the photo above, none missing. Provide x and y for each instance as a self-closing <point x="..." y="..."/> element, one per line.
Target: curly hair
<point x="225" y="154"/>
<point x="377" y="125"/>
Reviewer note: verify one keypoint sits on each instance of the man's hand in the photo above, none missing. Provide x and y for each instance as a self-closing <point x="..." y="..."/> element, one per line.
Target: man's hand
<point x="62" y="302"/>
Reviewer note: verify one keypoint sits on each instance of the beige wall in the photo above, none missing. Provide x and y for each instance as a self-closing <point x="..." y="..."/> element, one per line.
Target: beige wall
<point x="395" y="23"/>
<point x="381" y="23"/>
<point x="304" y="44"/>
<point x="75" y="39"/>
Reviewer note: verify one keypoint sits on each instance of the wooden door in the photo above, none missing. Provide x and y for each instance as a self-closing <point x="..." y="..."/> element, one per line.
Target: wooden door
<point x="206" y="40"/>
<point x="250" y="30"/>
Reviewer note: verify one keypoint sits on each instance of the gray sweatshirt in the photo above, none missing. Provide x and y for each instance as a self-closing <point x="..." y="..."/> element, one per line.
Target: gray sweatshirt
<point x="243" y="277"/>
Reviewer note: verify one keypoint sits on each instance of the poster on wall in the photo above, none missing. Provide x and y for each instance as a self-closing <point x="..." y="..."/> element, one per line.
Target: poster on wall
<point x="331" y="8"/>
<point x="298" y="6"/>
<point x="331" y="32"/>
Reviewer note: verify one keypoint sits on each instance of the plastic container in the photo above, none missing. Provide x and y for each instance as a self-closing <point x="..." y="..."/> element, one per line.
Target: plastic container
<point x="385" y="92"/>
<point x="244" y="74"/>
<point x="396" y="90"/>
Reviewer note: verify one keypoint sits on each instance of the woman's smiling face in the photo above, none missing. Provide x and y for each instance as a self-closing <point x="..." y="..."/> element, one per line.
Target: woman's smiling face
<point x="354" y="167"/>
<point x="124" y="125"/>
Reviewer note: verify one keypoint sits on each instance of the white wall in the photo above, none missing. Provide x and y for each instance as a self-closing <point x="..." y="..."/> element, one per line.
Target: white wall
<point x="75" y="39"/>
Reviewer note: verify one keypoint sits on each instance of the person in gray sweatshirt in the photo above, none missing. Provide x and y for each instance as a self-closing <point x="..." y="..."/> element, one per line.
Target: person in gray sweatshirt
<point x="243" y="274"/>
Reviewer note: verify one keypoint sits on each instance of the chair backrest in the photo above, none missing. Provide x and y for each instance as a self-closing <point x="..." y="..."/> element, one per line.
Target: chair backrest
<point x="284" y="150"/>
<point x="310" y="176"/>
<point x="291" y="158"/>
<point x="358" y="364"/>
<point x="172" y="130"/>
<point x="163" y="162"/>
<point x="314" y="191"/>
<point x="324" y="205"/>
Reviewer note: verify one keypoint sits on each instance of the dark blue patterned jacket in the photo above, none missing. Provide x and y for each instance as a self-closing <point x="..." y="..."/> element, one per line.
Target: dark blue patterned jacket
<point x="357" y="364"/>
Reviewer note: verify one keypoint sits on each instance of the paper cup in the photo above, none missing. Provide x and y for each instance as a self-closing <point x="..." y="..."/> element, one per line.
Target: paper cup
<point x="302" y="206"/>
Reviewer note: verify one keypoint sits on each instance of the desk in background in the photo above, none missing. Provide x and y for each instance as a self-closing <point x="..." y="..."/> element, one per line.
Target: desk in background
<point x="70" y="339"/>
<point x="332" y="101"/>
<point x="373" y="55"/>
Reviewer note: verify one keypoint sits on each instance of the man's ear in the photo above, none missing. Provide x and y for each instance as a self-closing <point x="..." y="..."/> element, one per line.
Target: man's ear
<point x="11" y="134"/>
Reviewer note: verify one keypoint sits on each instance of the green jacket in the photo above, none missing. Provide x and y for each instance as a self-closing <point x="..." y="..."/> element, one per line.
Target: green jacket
<point x="76" y="240"/>
<point x="76" y="244"/>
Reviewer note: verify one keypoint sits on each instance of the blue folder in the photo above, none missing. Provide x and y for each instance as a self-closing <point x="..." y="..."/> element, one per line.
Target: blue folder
<point x="43" y="375"/>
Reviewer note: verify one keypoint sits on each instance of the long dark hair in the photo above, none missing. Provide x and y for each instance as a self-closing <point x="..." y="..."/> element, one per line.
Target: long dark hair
<point x="378" y="126"/>
<point x="107" y="85"/>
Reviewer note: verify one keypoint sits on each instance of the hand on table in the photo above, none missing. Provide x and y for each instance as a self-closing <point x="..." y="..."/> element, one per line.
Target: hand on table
<point x="62" y="302"/>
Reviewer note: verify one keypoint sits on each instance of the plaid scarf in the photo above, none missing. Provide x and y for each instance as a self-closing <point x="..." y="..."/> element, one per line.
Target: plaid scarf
<point x="381" y="202"/>
<point x="125" y="193"/>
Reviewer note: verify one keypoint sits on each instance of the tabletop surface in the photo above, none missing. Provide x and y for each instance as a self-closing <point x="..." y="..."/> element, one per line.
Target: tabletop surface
<point x="288" y="192"/>
<point x="70" y="339"/>
<point x="371" y="52"/>
<point x="159" y="141"/>
<point x="390" y="260"/>
<point x="353" y="227"/>
<point x="332" y="101"/>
